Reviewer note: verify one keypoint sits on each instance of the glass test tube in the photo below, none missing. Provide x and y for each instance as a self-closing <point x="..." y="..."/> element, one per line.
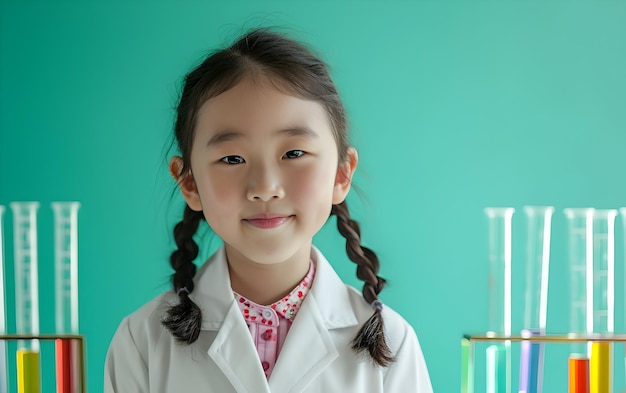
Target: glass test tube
<point x="580" y="256"/>
<point x="604" y="271"/>
<point x="4" y="381"/>
<point x="499" y="291"/>
<point x="26" y="294"/>
<point x="66" y="294"/>
<point x="600" y="367"/>
<point x="623" y="214"/>
<point x="467" y="366"/>
<point x="539" y="219"/>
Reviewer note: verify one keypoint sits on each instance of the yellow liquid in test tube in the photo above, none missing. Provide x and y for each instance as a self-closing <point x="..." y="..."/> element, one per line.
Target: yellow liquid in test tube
<point x="600" y="368"/>
<point x="26" y="294"/>
<point x="27" y="371"/>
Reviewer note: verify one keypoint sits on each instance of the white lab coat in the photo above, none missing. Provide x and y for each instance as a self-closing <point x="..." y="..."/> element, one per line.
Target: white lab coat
<point x="315" y="357"/>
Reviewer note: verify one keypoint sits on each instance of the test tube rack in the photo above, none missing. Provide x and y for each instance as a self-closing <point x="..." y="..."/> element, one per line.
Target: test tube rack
<point x="469" y="341"/>
<point x="79" y="341"/>
<point x="593" y="250"/>
<point x="69" y="345"/>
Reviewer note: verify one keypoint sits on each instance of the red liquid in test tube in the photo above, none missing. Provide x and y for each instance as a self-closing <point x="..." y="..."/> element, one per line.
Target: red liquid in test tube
<point x="66" y="294"/>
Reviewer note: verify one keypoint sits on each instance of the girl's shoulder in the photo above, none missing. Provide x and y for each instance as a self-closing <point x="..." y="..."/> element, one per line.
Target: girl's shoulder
<point x="341" y="298"/>
<point x="144" y="324"/>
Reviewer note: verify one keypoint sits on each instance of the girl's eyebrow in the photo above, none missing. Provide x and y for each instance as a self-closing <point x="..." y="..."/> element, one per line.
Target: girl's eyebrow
<point x="299" y="131"/>
<point x="227" y="136"/>
<point x="223" y="136"/>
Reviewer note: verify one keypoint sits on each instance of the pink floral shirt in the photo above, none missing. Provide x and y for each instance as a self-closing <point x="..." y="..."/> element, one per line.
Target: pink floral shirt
<point x="269" y="324"/>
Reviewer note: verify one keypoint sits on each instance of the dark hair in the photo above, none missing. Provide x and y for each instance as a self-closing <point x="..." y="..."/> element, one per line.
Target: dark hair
<point x="297" y="71"/>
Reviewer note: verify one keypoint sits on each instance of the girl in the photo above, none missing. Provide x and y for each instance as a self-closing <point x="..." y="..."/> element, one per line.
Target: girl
<point x="265" y="160"/>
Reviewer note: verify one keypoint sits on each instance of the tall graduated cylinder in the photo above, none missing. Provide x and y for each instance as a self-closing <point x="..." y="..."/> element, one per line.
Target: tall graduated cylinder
<point x="498" y="378"/>
<point x="26" y="293"/>
<point x="4" y="381"/>
<point x="66" y="294"/>
<point x="604" y="271"/>
<point x="580" y="258"/>
<point x="622" y="293"/>
<point x="600" y="364"/>
<point x="539" y="219"/>
<point x="66" y="266"/>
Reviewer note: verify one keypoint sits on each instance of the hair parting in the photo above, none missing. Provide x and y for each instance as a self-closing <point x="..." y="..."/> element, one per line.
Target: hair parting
<point x="371" y="336"/>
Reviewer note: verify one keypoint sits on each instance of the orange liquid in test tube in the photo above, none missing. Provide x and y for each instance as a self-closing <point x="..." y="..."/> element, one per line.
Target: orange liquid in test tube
<point x="578" y="371"/>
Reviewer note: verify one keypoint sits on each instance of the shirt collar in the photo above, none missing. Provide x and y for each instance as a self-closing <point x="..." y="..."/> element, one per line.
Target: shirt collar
<point x="214" y="295"/>
<point x="287" y="307"/>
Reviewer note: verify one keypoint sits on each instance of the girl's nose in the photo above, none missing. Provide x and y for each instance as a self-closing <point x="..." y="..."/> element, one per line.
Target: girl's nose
<point x="265" y="185"/>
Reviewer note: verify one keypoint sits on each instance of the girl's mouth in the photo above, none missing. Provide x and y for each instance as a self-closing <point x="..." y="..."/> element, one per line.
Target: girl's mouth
<point x="267" y="222"/>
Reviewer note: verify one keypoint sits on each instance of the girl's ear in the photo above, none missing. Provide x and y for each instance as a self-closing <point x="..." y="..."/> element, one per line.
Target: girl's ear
<point x="343" y="180"/>
<point x="186" y="183"/>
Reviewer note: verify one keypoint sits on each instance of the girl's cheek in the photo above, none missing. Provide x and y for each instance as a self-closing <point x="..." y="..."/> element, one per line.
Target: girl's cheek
<point x="314" y="181"/>
<point x="221" y="187"/>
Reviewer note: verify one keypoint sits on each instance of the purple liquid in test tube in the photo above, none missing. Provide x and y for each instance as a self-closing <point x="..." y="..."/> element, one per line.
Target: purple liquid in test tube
<point x="539" y="220"/>
<point x="531" y="364"/>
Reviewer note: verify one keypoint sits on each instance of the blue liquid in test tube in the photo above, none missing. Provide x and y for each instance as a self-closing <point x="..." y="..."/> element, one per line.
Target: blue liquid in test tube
<point x="539" y="220"/>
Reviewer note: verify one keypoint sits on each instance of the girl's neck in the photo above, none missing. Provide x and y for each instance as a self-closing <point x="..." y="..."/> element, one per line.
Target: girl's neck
<point x="265" y="283"/>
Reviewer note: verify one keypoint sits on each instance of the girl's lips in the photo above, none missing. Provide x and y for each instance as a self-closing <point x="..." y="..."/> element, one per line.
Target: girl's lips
<point x="267" y="223"/>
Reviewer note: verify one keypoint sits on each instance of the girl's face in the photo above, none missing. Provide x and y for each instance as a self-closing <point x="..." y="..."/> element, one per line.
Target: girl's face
<point x="265" y="171"/>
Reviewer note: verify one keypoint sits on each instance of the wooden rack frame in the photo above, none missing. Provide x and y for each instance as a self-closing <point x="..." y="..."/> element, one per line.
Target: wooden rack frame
<point x="468" y="340"/>
<point x="80" y="340"/>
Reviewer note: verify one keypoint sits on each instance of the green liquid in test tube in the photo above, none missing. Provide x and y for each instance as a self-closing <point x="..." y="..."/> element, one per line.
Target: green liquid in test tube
<point x="66" y="294"/>
<point x="499" y="292"/>
<point x="4" y="381"/>
<point x="467" y="366"/>
<point x="26" y="294"/>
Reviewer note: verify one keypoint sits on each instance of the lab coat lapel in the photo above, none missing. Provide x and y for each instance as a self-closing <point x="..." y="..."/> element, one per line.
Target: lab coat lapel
<point x="233" y="350"/>
<point x="234" y="353"/>
<point x="307" y="351"/>
<point x="212" y="291"/>
<point x="309" y="347"/>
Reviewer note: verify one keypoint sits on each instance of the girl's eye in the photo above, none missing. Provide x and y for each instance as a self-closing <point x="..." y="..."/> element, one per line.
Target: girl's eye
<point x="294" y="154"/>
<point x="233" y="160"/>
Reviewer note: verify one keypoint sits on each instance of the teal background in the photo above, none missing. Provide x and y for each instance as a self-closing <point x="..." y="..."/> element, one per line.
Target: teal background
<point x="454" y="106"/>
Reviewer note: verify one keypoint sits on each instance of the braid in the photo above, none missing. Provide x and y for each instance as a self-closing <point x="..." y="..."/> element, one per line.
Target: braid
<point x="184" y="319"/>
<point x="371" y="336"/>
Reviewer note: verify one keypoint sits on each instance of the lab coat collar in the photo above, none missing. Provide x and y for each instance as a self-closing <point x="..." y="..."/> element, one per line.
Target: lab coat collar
<point x="213" y="293"/>
<point x="327" y="306"/>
